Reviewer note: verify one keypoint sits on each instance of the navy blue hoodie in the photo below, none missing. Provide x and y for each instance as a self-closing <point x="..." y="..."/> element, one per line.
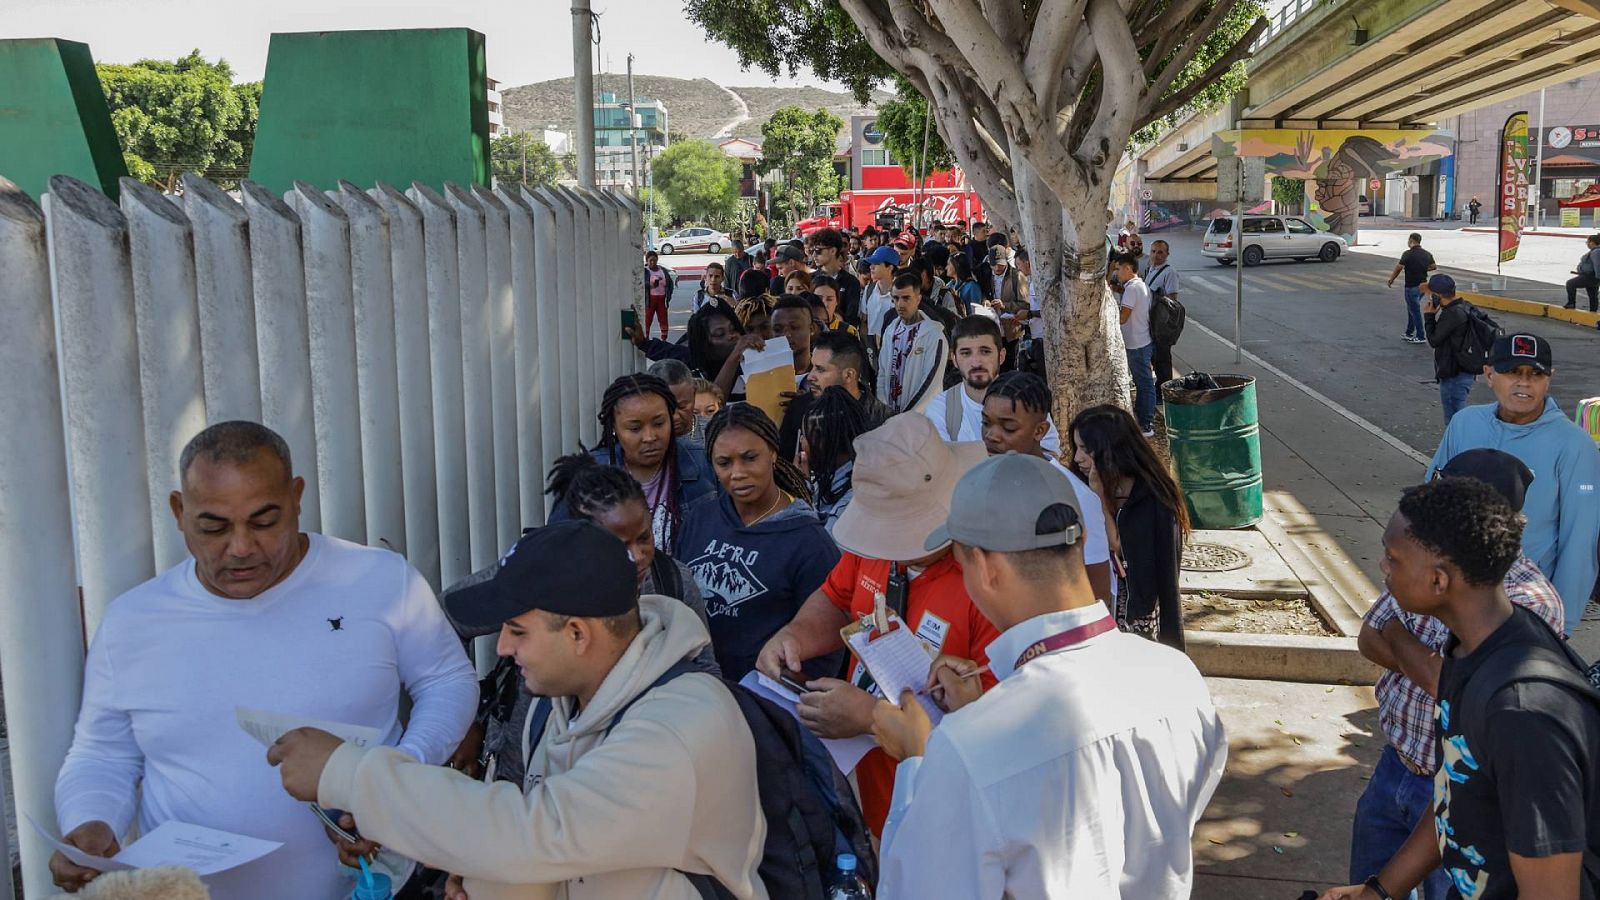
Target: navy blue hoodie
<point x="755" y="577"/>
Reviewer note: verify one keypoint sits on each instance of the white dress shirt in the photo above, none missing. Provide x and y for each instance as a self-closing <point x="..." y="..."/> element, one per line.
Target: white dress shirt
<point x="876" y="302"/>
<point x="972" y="420"/>
<point x="1080" y="775"/>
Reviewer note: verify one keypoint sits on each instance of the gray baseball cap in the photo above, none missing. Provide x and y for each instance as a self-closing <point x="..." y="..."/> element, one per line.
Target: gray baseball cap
<point x="1000" y="505"/>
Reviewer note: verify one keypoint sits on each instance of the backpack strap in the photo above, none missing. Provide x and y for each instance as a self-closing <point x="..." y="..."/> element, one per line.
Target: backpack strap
<point x="954" y="410"/>
<point x="665" y="576"/>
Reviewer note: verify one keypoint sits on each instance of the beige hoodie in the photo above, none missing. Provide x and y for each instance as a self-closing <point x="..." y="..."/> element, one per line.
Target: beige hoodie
<point x="672" y="787"/>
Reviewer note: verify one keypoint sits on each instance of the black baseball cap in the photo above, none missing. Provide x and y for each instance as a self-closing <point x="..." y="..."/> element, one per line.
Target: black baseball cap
<point x="570" y="568"/>
<point x="791" y="253"/>
<point x="1513" y="350"/>
<point x="1496" y="468"/>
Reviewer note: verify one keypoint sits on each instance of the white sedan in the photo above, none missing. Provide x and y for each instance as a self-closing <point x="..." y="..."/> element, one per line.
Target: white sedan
<point x="688" y="240"/>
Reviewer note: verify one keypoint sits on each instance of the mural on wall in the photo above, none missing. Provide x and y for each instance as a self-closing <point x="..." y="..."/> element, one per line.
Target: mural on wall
<point x="1339" y="161"/>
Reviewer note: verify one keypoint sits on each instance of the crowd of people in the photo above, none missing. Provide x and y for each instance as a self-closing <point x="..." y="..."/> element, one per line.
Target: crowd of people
<point x="688" y="703"/>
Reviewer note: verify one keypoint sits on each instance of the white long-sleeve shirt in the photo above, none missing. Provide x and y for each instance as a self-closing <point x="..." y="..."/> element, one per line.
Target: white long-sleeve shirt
<point x="1080" y="775"/>
<point x="972" y="420"/>
<point x="336" y="641"/>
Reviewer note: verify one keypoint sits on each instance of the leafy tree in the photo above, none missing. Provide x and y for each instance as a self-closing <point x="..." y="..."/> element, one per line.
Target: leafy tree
<point x="698" y="181"/>
<point x="185" y="115"/>
<point x="904" y="122"/>
<point x="1036" y="100"/>
<point x="660" y="211"/>
<point x="1289" y="193"/>
<point x="801" y="145"/>
<point x="523" y="159"/>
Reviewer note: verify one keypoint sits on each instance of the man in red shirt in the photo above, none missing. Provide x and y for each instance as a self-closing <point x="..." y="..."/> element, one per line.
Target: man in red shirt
<point x="903" y="477"/>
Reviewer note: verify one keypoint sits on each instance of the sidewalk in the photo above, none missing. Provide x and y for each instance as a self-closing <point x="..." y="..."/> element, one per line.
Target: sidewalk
<point x="1299" y="754"/>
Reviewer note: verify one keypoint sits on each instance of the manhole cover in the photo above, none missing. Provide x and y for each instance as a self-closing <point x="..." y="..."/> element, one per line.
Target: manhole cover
<point x="1200" y="557"/>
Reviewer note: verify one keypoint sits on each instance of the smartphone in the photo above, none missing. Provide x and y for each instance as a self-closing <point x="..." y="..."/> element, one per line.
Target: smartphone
<point x="330" y="818"/>
<point x="794" y="681"/>
<point x="630" y="319"/>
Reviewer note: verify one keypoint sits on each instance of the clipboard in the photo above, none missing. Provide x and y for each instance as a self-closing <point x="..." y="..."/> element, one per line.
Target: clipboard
<point x="896" y="658"/>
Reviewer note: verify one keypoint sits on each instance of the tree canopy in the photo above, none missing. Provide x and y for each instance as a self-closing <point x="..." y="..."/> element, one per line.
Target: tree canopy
<point x="184" y="115"/>
<point x="698" y="181"/>
<point x="904" y="122"/>
<point x="523" y="159"/>
<point x="801" y="145"/>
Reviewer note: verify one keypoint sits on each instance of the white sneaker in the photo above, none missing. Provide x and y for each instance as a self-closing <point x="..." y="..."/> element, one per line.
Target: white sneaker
<point x="1151" y="433"/>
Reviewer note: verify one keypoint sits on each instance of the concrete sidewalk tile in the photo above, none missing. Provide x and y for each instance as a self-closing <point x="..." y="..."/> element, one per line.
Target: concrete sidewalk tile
<point x="1298" y="759"/>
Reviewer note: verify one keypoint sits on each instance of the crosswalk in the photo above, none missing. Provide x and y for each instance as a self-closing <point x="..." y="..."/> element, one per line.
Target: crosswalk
<point x="1283" y="279"/>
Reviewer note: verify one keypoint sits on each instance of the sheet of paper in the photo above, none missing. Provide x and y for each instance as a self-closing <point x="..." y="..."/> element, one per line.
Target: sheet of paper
<point x="205" y="850"/>
<point x="898" y="661"/>
<point x="267" y="727"/>
<point x="768" y="374"/>
<point x="846" y="752"/>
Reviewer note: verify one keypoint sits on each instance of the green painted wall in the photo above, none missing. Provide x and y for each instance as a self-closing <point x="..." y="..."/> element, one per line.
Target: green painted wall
<point x="366" y="106"/>
<point x="53" y="117"/>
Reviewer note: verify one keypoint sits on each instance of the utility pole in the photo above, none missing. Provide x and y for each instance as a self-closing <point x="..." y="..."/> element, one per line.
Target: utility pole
<point x="1538" y="169"/>
<point x="633" y="127"/>
<point x="583" y="88"/>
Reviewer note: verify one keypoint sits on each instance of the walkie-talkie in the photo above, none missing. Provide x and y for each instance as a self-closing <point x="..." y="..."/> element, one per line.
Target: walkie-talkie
<point x="898" y="590"/>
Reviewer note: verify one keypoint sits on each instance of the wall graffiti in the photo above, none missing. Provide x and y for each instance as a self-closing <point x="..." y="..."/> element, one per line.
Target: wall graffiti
<point x="1338" y="161"/>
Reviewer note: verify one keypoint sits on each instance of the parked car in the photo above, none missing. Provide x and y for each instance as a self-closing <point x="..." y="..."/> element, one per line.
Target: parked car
<point x="1271" y="237"/>
<point x="688" y="240"/>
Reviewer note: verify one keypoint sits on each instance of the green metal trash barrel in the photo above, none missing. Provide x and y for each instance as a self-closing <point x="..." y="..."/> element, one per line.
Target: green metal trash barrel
<point x="1216" y="446"/>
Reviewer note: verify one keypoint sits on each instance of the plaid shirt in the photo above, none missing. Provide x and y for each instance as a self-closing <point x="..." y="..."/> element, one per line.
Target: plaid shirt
<point x="1405" y="710"/>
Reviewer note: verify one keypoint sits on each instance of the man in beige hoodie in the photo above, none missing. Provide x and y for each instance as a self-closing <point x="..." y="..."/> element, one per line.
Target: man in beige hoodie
<point x="622" y="798"/>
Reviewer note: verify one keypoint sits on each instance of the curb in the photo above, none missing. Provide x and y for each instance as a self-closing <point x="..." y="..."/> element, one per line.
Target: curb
<point x="1532" y="308"/>
<point x="1280" y="657"/>
<point x="1479" y="230"/>
<point x="1341" y="598"/>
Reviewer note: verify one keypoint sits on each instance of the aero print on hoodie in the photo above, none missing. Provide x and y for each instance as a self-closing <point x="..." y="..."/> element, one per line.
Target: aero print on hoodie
<point x="754" y="577"/>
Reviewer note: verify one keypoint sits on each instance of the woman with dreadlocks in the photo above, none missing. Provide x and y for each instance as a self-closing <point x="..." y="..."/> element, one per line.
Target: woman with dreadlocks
<point x="756" y="550"/>
<point x="708" y="342"/>
<point x="612" y="499"/>
<point x="636" y="436"/>
<point x="827" y="444"/>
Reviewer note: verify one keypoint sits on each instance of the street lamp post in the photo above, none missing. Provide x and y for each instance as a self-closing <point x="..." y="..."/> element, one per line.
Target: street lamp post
<point x="583" y="88"/>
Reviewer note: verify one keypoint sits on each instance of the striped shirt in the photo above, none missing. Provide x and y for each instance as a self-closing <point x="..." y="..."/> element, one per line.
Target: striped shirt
<point x="1405" y="710"/>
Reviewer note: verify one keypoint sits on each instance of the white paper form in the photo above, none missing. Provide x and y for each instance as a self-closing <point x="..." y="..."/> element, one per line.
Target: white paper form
<point x="898" y="661"/>
<point x="267" y="727"/>
<point x="205" y="850"/>
<point x="846" y="752"/>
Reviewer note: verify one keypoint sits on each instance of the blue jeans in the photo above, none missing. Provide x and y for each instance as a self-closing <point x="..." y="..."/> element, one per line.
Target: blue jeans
<point x="1144" y="384"/>
<point x="1393" y="803"/>
<point x="1414" y="313"/>
<point x="1453" y="393"/>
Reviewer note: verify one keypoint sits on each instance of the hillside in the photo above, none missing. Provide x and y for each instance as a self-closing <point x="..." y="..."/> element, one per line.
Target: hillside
<point x="696" y="108"/>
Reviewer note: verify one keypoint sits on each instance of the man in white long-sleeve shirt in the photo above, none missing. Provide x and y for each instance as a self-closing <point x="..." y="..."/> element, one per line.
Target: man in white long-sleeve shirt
<point x="265" y="617"/>
<point x="1082" y="773"/>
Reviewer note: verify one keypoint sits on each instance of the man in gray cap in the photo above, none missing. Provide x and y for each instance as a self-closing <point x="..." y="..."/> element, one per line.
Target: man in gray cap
<point x="1119" y="732"/>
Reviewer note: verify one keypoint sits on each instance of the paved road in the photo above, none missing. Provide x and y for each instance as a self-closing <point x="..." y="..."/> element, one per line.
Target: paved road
<point x="1337" y="328"/>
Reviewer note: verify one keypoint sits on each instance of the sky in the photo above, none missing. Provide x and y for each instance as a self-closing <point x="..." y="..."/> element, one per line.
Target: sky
<point x="528" y="40"/>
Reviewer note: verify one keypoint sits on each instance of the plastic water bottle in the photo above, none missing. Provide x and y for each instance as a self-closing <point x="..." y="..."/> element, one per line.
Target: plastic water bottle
<point x="372" y="885"/>
<point x="849" y="886"/>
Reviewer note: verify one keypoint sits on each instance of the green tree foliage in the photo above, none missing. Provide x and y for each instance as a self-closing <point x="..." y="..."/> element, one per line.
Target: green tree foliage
<point x="1233" y="26"/>
<point x="185" y="115"/>
<point x="698" y="181"/>
<point x="783" y="37"/>
<point x="523" y="159"/>
<point x="658" y="209"/>
<point x="904" y="121"/>
<point x="801" y="145"/>
<point x="1289" y="193"/>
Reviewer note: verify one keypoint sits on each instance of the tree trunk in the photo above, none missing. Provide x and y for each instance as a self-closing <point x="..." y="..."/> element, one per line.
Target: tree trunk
<point x="1085" y="362"/>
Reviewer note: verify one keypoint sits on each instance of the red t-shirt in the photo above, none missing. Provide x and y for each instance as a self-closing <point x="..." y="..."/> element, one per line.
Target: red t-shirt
<point x="939" y="611"/>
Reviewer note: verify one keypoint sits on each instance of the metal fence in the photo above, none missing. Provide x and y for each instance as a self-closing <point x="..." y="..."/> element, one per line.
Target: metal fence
<point x="425" y="356"/>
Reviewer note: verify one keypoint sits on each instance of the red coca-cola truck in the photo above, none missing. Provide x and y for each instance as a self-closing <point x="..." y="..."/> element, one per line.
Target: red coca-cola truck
<point x="945" y="198"/>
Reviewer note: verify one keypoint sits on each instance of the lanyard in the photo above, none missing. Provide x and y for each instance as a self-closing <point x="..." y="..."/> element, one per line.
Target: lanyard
<point x="1065" y="639"/>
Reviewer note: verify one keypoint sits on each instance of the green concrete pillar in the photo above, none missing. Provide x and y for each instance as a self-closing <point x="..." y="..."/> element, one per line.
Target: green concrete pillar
<point x="368" y="106"/>
<point x="53" y="117"/>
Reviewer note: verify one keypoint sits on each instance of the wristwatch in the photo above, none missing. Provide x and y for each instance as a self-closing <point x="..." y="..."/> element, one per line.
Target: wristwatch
<point x="1377" y="887"/>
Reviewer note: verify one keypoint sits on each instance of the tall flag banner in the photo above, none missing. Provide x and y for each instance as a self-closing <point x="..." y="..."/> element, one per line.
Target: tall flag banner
<point x="1513" y="184"/>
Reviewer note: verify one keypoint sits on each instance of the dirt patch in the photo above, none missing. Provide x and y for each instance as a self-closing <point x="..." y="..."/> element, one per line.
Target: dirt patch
<point x="1236" y="615"/>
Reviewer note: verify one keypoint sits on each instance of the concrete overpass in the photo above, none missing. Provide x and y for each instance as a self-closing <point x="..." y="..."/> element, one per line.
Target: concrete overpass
<point x="1384" y="64"/>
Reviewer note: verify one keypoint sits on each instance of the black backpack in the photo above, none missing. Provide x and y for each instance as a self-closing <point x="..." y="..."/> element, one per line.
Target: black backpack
<point x="1167" y="318"/>
<point x="812" y="815"/>
<point x="1477" y="338"/>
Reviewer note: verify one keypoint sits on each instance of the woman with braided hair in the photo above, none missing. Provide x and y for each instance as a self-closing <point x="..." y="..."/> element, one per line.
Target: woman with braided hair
<point x="636" y="436"/>
<point x="757" y="550"/>
<point x="828" y="435"/>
